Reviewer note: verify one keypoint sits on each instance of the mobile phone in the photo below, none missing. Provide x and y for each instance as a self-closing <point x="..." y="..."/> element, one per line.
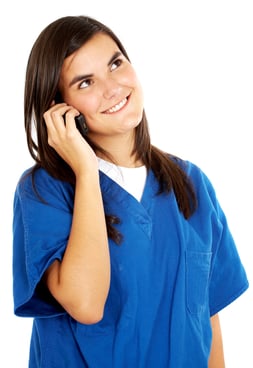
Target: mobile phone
<point x="80" y="120"/>
<point x="81" y="124"/>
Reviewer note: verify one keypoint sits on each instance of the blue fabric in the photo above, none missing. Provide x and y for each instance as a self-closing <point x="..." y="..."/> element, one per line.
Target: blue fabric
<point x="167" y="277"/>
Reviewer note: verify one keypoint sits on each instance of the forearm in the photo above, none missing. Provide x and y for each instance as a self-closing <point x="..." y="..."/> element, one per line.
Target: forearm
<point x="81" y="281"/>
<point x="216" y="359"/>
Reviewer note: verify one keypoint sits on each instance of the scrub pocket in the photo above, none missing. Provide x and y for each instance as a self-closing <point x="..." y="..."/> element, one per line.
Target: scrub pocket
<point x="197" y="277"/>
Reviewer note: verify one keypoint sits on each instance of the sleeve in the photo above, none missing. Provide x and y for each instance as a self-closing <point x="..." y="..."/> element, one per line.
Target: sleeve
<point x="227" y="279"/>
<point x="41" y="226"/>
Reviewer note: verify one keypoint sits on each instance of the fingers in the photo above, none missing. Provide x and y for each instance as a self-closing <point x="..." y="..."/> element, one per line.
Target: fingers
<point x="66" y="139"/>
<point x="60" y="122"/>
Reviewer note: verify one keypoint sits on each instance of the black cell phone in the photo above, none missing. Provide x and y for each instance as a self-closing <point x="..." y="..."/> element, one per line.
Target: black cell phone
<point x="81" y="124"/>
<point x="80" y="120"/>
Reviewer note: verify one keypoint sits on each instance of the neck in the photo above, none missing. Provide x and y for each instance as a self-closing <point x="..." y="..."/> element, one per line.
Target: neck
<point x="120" y="159"/>
<point x="120" y="150"/>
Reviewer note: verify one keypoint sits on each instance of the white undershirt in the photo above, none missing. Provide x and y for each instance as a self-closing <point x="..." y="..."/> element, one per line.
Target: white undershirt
<point x="132" y="179"/>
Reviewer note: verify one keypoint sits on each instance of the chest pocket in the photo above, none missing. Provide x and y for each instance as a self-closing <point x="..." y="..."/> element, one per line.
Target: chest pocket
<point x="197" y="276"/>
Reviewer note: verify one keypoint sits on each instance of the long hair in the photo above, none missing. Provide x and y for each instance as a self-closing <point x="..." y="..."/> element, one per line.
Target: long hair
<point x="56" y="42"/>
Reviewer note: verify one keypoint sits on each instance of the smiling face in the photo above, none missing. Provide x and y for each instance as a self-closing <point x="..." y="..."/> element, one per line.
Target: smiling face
<point x="101" y="83"/>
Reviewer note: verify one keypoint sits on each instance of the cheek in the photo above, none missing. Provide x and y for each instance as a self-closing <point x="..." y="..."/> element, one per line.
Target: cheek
<point x="87" y="105"/>
<point x="135" y="83"/>
<point x="131" y="77"/>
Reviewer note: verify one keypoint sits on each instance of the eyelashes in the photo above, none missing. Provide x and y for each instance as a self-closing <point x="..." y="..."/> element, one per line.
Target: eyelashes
<point x="115" y="64"/>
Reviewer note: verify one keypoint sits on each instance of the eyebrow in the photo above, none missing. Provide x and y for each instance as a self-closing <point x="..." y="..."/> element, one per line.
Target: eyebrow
<point x="79" y="78"/>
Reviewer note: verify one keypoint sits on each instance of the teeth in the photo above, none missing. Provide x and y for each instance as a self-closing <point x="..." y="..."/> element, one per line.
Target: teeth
<point x="118" y="106"/>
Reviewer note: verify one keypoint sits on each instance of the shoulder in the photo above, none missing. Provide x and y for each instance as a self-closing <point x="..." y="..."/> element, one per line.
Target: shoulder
<point x="39" y="183"/>
<point x="201" y="182"/>
<point x="192" y="170"/>
<point x="195" y="172"/>
<point x="189" y="167"/>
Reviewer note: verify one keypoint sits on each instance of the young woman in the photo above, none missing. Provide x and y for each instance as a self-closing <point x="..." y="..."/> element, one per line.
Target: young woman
<point x="121" y="252"/>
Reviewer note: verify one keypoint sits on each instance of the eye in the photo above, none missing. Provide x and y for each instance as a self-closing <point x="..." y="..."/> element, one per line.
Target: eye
<point x="116" y="63"/>
<point x="85" y="83"/>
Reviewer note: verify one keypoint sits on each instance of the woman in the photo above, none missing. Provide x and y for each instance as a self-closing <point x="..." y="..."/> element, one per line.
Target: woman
<point x="122" y="253"/>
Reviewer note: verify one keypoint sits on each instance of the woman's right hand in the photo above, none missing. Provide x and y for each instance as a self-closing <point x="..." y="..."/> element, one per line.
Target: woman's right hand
<point x="66" y="139"/>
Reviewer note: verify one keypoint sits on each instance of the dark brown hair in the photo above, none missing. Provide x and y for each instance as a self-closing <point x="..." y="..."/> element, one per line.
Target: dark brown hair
<point x="57" y="41"/>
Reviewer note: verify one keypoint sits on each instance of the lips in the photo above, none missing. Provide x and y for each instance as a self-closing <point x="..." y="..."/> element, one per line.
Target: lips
<point x="116" y="107"/>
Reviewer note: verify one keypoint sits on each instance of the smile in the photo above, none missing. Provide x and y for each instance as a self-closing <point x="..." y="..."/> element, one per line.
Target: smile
<point x="117" y="107"/>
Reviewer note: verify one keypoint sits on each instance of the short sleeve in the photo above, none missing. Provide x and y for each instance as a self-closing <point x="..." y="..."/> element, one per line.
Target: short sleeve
<point x="41" y="226"/>
<point x="227" y="278"/>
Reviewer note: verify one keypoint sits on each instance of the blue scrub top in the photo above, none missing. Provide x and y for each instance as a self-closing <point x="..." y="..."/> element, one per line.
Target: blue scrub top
<point x="168" y="276"/>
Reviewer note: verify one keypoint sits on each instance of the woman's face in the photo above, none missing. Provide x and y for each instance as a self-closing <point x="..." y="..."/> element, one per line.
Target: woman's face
<point x="101" y="84"/>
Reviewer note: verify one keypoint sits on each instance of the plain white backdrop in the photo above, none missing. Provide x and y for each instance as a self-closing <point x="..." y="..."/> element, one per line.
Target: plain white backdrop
<point x="195" y="61"/>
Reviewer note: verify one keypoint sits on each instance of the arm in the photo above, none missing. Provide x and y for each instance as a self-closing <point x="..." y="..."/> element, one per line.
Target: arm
<point x="80" y="282"/>
<point x="216" y="359"/>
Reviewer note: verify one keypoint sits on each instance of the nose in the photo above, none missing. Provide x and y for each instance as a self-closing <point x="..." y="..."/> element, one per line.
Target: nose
<point x="111" y="89"/>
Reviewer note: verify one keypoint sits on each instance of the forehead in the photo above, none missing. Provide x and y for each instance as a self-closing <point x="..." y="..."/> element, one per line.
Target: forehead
<point x="99" y="48"/>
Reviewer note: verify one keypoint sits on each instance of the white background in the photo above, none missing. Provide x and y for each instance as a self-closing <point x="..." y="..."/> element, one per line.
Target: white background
<point x="195" y="61"/>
